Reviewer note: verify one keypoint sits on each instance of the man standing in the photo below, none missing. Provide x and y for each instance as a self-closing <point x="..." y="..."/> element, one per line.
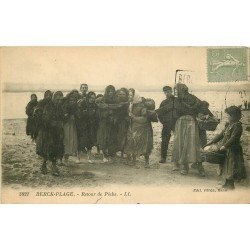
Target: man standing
<point x="84" y="90"/>
<point x="167" y="116"/>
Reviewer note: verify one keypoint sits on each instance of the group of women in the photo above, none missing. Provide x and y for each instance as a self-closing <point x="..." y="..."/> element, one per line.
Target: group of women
<point x="121" y="121"/>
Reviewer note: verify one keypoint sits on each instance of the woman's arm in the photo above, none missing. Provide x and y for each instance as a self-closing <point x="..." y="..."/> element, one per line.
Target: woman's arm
<point x="162" y="110"/>
<point x="152" y="116"/>
<point x="142" y="118"/>
<point x="117" y="105"/>
<point x="102" y="105"/>
<point x="216" y="139"/>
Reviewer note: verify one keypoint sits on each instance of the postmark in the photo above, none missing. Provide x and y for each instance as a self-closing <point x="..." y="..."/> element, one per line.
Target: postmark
<point x="226" y="64"/>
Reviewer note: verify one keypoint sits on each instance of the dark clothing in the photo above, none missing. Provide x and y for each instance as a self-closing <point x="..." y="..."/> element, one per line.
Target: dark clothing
<point x="233" y="163"/>
<point x="37" y="116"/>
<point x="165" y="138"/>
<point x="31" y="126"/>
<point x="49" y="142"/>
<point x="69" y="109"/>
<point x="167" y="112"/>
<point x="108" y="127"/>
<point x="202" y="131"/>
<point x="203" y="137"/>
<point x="87" y="126"/>
<point x="230" y="135"/>
<point x="122" y="126"/>
<point x="245" y="104"/>
<point x="167" y="115"/>
<point x="82" y="96"/>
<point x="189" y="105"/>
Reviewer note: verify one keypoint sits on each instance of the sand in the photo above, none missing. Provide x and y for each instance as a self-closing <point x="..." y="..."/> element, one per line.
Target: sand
<point x="21" y="165"/>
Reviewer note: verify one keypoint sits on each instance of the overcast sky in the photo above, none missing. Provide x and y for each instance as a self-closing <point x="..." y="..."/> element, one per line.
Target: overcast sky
<point x="67" y="67"/>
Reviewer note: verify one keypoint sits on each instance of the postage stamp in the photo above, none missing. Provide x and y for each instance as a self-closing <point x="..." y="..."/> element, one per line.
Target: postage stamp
<point x="226" y="64"/>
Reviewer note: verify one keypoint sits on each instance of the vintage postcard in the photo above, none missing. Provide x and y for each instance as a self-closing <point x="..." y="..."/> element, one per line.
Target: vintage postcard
<point x="125" y="125"/>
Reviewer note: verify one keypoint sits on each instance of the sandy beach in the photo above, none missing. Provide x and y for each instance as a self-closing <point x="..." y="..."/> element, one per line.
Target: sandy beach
<point x="21" y="165"/>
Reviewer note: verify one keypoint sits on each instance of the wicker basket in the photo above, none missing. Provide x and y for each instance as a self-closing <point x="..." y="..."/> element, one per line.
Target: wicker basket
<point x="213" y="157"/>
<point x="209" y="124"/>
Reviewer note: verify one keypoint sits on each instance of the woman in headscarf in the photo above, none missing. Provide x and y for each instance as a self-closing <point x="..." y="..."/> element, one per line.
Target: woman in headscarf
<point x="87" y="124"/>
<point x="122" y="118"/>
<point x="186" y="146"/>
<point x="70" y="131"/>
<point x="37" y="116"/>
<point x="107" y="131"/>
<point x="30" y="126"/>
<point x="140" y="134"/>
<point x="50" y="145"/>
<point x="76" y="93"/>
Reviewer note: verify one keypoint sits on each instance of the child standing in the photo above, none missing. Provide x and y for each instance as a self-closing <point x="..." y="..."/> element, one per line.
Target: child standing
<point x="228" y="143"/>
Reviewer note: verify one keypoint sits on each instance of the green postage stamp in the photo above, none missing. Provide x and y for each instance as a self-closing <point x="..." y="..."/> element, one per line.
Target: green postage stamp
<point x="226" y="64"/>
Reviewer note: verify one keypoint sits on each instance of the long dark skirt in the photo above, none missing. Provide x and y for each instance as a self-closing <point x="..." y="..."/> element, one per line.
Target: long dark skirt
<point x="87" y="137"/>
<point x="30" y="127"/>
<point x="49" y="143"/>
<point x="234" y="167"/>
<point x="107" y="136"/>
<point x="122" y="131"/>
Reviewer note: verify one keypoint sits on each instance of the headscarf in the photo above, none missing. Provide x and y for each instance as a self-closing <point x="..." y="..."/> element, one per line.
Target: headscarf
<point x="32" y="103"/>
<point x="136" y="99"/>
<point x="68" y="106"/>
<point x="73" y="93"/>
<point x="33" y="95"/>
<point x="204" y="104"/>
<point x="125" y="90"/>
<point x="58" y="110"/>
<point x="89" y="95"/>
<point x="47" y="92"/>
<point x="57" y="93"/>
<point x="125" y="99"/>
<point x="107" y="98"/>
<point x="180" y="87"/>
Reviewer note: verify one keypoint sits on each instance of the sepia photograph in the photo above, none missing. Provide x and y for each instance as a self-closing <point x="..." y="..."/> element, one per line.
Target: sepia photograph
<point x="125" y="124"/>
